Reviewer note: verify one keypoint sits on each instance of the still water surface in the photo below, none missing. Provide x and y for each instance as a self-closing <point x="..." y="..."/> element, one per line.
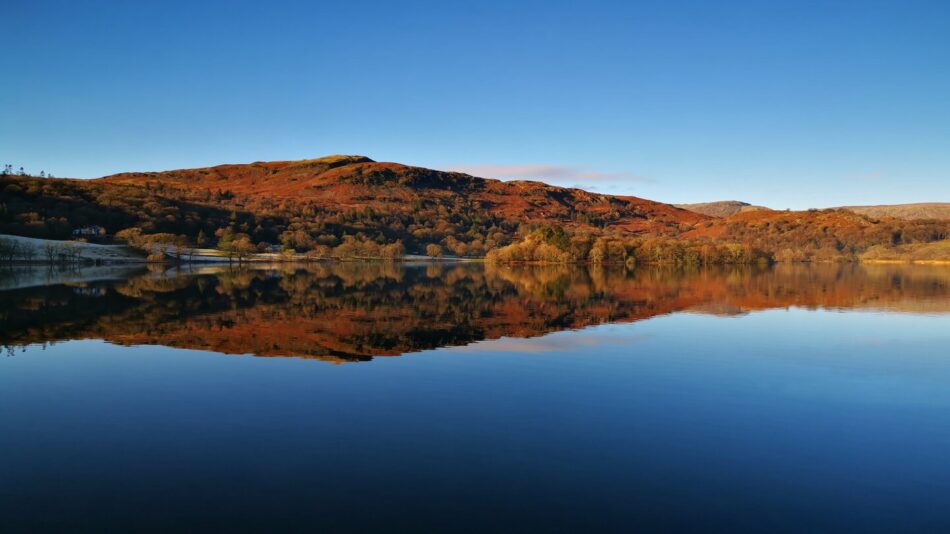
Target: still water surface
<point x="471" y="398"/>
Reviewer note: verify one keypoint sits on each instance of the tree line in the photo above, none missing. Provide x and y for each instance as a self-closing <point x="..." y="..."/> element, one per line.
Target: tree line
<point x="12" y="251"/>
<point x="552" y="244"/>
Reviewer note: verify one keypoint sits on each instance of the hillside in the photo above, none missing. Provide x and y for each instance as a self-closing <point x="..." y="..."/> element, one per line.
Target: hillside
<point x="831" y="234"/>
<point x="352" y="206"/>
<point x="722" y="208"/>
<point x="322" y="203"/>
<point x="936" y="252"/>
<point x="357" y="184"/>
<point x="923" y="210"/>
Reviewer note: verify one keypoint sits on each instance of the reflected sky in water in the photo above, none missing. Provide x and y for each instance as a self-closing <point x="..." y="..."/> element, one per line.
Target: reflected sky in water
<point x="678" y="405"/>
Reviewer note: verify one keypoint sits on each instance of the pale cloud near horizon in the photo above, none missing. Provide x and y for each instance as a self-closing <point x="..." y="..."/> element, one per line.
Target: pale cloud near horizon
<point x="560" y="174"/>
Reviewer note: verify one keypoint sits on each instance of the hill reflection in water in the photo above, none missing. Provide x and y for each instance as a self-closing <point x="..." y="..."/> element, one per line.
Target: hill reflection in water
<point x="355" y="311"/>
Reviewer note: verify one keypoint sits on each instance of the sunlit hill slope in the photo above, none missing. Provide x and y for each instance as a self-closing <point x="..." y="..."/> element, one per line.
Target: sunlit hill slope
<point x="319" y="204"/>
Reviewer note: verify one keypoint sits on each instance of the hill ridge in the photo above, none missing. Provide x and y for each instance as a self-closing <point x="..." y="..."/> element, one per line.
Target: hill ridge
<point x="354" y="205"/>
<point x="910" y="211"/>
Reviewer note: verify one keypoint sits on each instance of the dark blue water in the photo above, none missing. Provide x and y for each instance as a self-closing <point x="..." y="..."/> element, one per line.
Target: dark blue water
<point x="781" y="419"/>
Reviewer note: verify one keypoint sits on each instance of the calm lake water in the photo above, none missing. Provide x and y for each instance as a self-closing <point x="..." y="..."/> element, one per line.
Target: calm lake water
<point x="375" y="397"/>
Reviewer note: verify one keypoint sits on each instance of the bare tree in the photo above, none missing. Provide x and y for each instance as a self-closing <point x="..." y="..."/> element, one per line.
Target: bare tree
<point x="63" y="254"/>
<point x="28" y="253"/>
<point x="186" y="252"/>
<point x="77" y="250"/>
<point x="8" y="249"/>
<point x="51" y="250"/>
<point x="180" y="247"/>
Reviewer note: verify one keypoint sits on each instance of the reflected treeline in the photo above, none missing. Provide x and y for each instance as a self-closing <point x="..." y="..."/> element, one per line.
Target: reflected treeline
<point x="352" y="312"/>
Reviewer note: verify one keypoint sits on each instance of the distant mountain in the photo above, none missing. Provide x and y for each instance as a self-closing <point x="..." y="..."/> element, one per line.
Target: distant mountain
<point x="922" y="210"/>
<point x="722" y="208"/>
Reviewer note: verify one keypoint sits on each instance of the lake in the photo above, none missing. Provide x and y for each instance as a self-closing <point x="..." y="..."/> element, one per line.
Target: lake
<point x="465" y="397"/>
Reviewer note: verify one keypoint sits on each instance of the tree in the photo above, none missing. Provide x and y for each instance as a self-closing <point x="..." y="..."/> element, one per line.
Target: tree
<point x="8" y="249"/>
<point x="51" y="250"/>
<point x="433" y="250"/>
<point x="393" y="251"/>
<point x="243" y="248"/>
<point x="236" y="246"/>
<point x="75" y="250"/>
<point x="28" y="253"/>
<point x="318" y="252"/>
<point x="131" y="236"/>
<point x="180" y="247"/>
<point x="288" y="254"/>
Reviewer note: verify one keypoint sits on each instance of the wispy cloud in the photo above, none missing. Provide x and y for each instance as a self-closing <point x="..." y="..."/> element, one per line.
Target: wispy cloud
<point x="557" y="174"/>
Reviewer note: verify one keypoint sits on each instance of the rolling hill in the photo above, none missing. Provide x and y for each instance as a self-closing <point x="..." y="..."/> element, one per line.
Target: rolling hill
<point x="917" y="211"/>
<point x="357" y="183"/>
<point x="922" y="210"/>
<point x="830" y="234"/>
<point x="323" y="204"/>
<point x="722" y="208"/>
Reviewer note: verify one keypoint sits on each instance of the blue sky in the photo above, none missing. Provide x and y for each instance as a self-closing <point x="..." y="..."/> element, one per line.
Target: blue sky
<point x="787" y="104"/>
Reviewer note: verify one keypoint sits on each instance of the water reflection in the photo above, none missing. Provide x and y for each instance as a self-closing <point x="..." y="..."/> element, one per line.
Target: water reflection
<point x="353" y="312"/>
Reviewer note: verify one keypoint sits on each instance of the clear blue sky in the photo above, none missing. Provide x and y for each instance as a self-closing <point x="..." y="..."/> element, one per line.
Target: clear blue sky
<point x="788" y="104"/>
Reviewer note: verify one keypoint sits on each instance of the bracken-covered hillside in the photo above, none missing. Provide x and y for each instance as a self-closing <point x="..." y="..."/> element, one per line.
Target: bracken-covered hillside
<point x="922" y="210"/>
<point x="348" y="206"/>
<point x="318" y="202"/>
<point x="831" y="234"/>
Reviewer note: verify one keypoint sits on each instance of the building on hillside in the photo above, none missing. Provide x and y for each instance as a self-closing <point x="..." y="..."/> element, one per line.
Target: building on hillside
<point x="89" y="231"/>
